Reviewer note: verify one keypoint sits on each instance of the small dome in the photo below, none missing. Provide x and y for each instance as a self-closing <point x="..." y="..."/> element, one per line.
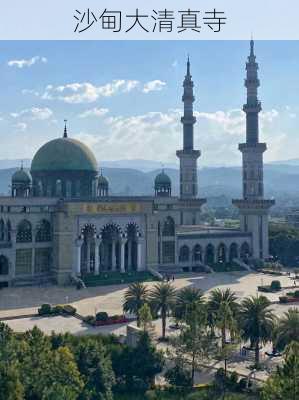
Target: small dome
<point x="21" y="176"/>
<point x="64" y="154"/>
<point x="162" y="179"/>
<point x="102" y="181"/>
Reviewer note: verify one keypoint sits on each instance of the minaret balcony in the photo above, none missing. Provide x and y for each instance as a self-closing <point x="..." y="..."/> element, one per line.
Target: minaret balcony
<point x="188" y="120"/>
<point x="253" y="108"/>
<point x="253" y="147"/>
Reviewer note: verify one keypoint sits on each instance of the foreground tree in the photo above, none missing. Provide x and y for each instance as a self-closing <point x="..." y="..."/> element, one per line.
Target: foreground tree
<point x="284" y="383"/>
<point x="11" y="387"/>
<point x="162" y="299"/>
<point x="188" y="299"/>
<point x="146" y="319"/>
<point x="223" y="309"/>
<point x="192" y="346"/>
<point x="95" y="368"/>
<point x="136" y="368"/>
<point x="135" y="297"/>
<point x="257" y="323"/>
<point x="288" y="328"/>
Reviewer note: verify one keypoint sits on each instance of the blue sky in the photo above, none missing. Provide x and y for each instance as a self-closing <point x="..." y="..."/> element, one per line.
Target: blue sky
<point x="124" y="98"/>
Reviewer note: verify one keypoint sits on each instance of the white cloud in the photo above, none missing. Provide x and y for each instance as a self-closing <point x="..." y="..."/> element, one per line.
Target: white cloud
<point x="157" y="136"/>
<point x="175" y="63"/>
<point x="34" y="113"/>
<point x="21" y="126"/>
<point x="30" y="91"/>
<point x="86" y="92"/>
<point x="153" y="86"/>
<point x="94" y="112"/>
<point x="27" y="62"/>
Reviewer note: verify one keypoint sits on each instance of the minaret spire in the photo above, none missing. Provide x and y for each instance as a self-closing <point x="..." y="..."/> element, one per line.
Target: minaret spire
<point x="253" y="106"/>
<point x="188" y="67"/>
<point x="188" y="120"/>
<point x="253" y="207"/>
<point x="65" y="129"/>
<point x="188" y="156"/>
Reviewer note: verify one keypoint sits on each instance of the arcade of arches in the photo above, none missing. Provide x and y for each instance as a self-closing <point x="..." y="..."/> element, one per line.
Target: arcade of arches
<point x="213" y="254"/>
<point x="112" y="250"/>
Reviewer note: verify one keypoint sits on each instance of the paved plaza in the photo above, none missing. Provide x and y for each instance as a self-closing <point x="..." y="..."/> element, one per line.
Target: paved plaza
<point x="26" y="300"/>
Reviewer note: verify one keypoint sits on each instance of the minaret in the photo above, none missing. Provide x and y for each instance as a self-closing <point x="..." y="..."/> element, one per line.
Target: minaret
<point x="188" y="156"/>
<point x="65" y="129"/>
<point x="254" y="209"/>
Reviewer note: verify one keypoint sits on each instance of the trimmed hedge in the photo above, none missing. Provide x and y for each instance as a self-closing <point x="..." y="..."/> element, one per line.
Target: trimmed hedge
<point x="47" y="309"/>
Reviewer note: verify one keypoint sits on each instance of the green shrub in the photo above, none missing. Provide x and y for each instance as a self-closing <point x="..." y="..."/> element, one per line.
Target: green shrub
<point x="102" y="316"/>
<point x="45" y="309"/>
<point x="90" y="319"/>
<point x="150" y="395"/>
<point x="115" y="317"/>
<point x="283" y="299"/>
<point x="58" y="309"/>
<point x="203" y="395"/>
<point x="179" y="376"/>
<point x="275" y="285"/>
<point x="68" y="309"/>
<point x="296" y="294"/>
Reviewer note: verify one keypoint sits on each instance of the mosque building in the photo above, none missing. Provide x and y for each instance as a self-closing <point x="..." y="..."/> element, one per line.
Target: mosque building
<point x="60" y="220"/>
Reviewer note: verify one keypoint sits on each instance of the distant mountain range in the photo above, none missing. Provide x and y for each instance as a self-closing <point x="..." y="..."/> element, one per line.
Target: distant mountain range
<point x="224" y="183"/>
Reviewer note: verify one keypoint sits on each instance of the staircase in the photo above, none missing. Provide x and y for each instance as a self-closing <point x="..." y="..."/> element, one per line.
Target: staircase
<point x="242" y="264"/>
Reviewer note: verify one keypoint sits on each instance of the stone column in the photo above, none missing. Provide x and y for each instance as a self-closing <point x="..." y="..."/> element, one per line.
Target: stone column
<point x="96" y="255"/>
<point x="78" y="243"/>
<point x="33" y="252"/>
<point x="88" y="256"/>
<point x="113" y="256"/>
<point x="122" y="254"/>
<point x="129" y="255"/>
<point x="13" y="236"/>
<point x="139" y="254"/>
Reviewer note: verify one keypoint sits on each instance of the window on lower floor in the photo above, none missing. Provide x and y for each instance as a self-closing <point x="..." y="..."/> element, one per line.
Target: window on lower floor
<point x="168" y="252"/>
<point x="23" y="261"/>
<point x="42" y="260"/>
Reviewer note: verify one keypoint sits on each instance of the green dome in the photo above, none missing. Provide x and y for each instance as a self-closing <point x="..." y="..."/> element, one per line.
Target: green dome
<point x="162" y="179"/>
<point x="64" y="154"/>
<point x="102" y="181"/>
<point x="21" y="176"/>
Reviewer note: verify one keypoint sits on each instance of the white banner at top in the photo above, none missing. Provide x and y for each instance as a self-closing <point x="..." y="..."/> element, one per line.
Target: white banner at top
<point x="149" y="20"/>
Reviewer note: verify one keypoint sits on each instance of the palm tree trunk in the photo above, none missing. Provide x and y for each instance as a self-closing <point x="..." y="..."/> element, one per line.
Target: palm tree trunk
<point x="193" y="369"/>
<point x="163" y="316"/>
<point x="223" y="336"/>
<point x="257" y="353"/>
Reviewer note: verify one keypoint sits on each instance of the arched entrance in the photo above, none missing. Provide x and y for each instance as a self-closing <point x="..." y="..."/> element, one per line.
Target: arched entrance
<point x="245" y="252"/>
<point x="233" y="252"/>
<point x="221" y="255"/>
<point x="197" y="253"/>
<point x="110" y="248"/>
<point x="132" y="233"/>
<point x="210" y="254"/>
<point x="184" y="255"/>
<point x="4" y="265"/>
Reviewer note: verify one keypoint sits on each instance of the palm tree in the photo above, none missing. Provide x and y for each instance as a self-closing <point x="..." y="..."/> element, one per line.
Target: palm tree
<point x="222" y="311"/>
<point x="257" y="322"/>
<point x="162" y="299"/>
<point x="188" y="300"/>
<point x="135" y="297"/>
<point x="288" y="328"/>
